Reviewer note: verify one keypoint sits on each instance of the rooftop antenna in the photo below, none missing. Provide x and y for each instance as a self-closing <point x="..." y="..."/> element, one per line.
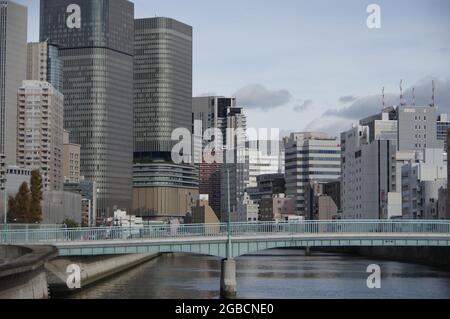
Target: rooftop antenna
<point x="433" y="97"/>
<point x="402" y="102"/>
<point x="414" y="96"/>
<point x="384" y="101"/>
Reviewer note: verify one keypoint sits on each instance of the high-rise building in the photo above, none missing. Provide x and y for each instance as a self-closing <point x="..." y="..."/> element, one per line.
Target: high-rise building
<point x="422" y="178"/>
<point x="71" y="160"/>
<point x="162" y="103"/>
<point x="40" y="131"/>
<point x="264" y="158"/>
<point x="212" y="112"/>
<point x="44" y="64"/>
<point x="448" y="175"/>
<point x="369" y="174"/>
<point x="443" y="124"/>
<point x="13" y="58"/>
<point x="310" y="156"/>
<point x="323" y="200"/>
<point x="374" y="155"/>
<point x="234" y="171"/>
<point x="95" y="40"/>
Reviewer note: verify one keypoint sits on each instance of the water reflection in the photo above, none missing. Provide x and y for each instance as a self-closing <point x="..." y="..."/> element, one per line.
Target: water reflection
<point x="275" y="274"/>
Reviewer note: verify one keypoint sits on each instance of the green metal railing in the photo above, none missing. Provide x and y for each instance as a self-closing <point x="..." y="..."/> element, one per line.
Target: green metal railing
<point x="55" y="235"/>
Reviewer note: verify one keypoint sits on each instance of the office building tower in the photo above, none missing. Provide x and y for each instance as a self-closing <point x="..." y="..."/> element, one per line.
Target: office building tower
<point x="267" y="186"/>
<point x="310" y="156"/>
<point x="234" y="171"/>
<point x="422" y="178"/>
<point x="377" y="150"/>
<point x="40" y="131"/>
<point x="414" y="127"/>
<point x="276" y="208"/>
<point x="95" y="40"/>
<point x="212" y="112"/>
<point x="443" y="125"/>
<point x="369" y="176"/>
<point x="44" y="64"/>
<point x="448" y="176"/>
<point x="71" y="160"/>
<point x="13" y="58"/>
<point x="417" y="128"/>
<point x="323" y="200"/>
<point x="264" y="158"/>
<point x="162" y="103"/>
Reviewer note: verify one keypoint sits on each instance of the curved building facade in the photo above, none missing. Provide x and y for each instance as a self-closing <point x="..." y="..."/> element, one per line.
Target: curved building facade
<point x="162" y="103"/>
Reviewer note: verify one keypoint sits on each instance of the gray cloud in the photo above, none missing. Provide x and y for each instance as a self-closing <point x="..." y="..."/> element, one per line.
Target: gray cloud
<point x="303" y="106"/>
<point x="369" y="105"/>
<point x="348" y="99"/>
<point x="335" y="121"/>
<point x="256" y="96"/>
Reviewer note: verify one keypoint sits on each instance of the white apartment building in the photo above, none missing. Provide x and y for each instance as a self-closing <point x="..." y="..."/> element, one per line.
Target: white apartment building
<point x="368" y="176"/>
<point x="247" y="210"/>
<point x="71" y="160"/>
<point x="40" y="131"/>
<point x="373" y="156"/>
<point x="421" y="180"/>
<point x="310" y="157"/>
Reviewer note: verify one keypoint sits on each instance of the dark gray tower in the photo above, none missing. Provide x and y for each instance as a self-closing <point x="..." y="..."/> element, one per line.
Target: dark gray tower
<point x="13" y="55"/>
<point x="162" y="103"/>
<point x="95" y="38"/>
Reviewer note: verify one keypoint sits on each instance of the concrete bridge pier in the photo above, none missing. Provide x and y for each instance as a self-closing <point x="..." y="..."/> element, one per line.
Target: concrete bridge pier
<point x="308" y="251"/>
<point x="228" y="279"/>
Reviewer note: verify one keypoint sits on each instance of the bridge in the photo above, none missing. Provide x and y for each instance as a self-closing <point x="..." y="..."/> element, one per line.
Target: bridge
<point x="233" y="240"/>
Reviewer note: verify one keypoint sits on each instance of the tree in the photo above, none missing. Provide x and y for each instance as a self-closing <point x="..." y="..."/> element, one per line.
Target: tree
<point x="20" y="206"/>
<point x="12" y="210"/>
<point x="36" y="197"/>
<point x="70" y="223"/>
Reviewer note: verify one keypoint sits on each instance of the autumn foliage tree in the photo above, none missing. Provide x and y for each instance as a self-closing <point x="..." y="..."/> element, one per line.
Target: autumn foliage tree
<point x="19" y="206"/>
<point x="25" y="207"/>
<point x="36" y="197"/>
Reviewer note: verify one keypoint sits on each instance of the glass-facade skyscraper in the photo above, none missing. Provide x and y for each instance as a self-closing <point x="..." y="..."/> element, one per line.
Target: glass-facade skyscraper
<point x="162" y="103"/>
<point x="95" y="40"/>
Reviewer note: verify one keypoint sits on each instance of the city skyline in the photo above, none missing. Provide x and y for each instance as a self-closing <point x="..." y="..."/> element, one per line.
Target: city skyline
<point x="305" y="73"/>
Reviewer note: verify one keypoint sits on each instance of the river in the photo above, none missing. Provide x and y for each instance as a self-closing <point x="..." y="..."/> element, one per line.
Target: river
<point x="286" y="274"/>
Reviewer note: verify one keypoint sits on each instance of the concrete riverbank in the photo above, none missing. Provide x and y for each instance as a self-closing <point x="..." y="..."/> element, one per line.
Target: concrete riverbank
<point x="92" y="269"/>
<point x="22" y="271"/>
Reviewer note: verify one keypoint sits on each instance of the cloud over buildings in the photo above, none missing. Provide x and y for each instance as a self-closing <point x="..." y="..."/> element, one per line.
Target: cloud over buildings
<point x="257" y="96"/>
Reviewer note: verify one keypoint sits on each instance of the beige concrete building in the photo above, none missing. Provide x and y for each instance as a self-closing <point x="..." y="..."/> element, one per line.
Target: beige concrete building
<point x="202" y="213"/>
<point x="40" y="131"/>
<point x="322" y="200"/>
<point x="163" y="203"/>
<point x="71" y="160"/>
<point x="44" y="64"/>
<point x="276" y="208"/>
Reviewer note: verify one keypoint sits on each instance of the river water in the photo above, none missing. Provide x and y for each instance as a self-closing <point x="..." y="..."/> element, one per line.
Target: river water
<point x="286" y="274"/>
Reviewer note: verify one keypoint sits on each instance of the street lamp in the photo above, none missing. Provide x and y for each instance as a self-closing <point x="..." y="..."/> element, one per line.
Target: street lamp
<point x="5" y="207"/>
<point x="229" y="216"/>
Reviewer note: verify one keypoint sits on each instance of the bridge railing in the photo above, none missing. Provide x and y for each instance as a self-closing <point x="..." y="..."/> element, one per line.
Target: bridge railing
<point x="54" y="235"/>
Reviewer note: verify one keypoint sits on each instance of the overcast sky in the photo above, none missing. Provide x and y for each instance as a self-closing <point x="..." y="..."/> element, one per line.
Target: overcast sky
<point x="309" y="65"/>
